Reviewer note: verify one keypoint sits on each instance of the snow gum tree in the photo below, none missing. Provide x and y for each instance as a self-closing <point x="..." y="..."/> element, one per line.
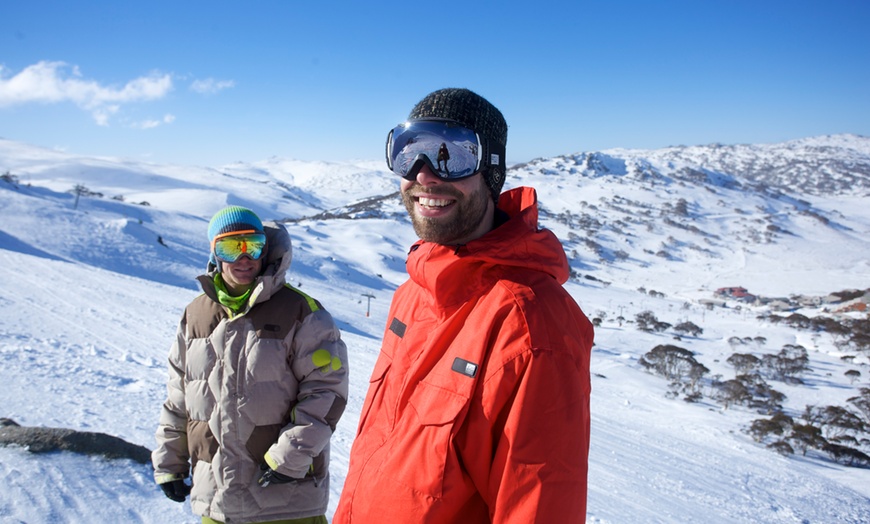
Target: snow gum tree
<point x="677" y="365"/>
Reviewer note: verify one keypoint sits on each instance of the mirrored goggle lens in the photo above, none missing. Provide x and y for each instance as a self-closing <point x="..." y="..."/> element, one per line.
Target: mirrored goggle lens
<point x="230" y="249"/>
<point x="450" y="150"/>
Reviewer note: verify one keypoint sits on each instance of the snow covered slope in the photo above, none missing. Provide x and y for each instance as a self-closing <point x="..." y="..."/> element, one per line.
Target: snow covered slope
<point x="94" y="289"/>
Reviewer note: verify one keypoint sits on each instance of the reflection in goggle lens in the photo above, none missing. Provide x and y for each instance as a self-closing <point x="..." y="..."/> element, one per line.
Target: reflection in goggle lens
<point x="231" y="248"/>
<point x="451" y="151"/>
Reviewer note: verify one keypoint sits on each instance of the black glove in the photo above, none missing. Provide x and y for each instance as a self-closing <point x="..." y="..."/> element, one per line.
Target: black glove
<point x="270" y="476"/>
<point x="176" y="490"/>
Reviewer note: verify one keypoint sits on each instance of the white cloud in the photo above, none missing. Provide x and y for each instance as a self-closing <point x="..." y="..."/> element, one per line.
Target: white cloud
<point x="54" y="82"/>
<point x="150" y="124"/>
<point x="146" y="124"/>
<point x="211" y="86"/>
<point x="101" y="114"/>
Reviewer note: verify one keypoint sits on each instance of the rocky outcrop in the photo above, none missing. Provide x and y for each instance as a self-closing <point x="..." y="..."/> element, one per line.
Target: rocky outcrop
<point x="45" y="440"/>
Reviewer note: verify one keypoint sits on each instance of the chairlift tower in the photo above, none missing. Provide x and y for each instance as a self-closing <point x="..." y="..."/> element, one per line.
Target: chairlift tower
<point x="369" y="296"/>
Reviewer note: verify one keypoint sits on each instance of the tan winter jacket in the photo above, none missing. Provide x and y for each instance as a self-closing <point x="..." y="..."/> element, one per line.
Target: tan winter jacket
<point x="271" y="379"/>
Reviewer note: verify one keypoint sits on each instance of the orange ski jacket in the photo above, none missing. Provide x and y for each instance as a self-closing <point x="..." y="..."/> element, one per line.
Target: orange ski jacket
<point x="478" y="405"/>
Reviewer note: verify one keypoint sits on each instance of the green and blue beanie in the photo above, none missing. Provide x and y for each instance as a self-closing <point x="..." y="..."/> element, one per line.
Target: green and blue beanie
<point x="231" y="219"/>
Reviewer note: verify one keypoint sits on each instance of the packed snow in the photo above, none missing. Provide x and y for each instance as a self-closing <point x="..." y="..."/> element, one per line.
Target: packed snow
<point x="96" y="285"/>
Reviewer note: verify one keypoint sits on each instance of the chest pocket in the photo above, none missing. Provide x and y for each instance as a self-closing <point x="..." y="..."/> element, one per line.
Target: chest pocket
<point x="431" y="421"/>
<point x="375" y="394"/>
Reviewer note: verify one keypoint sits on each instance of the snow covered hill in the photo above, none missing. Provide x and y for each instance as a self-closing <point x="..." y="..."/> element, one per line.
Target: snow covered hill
<point x="96" y="286"/>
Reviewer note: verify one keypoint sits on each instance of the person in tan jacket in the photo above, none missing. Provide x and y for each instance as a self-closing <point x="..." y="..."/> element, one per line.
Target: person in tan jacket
<point x="258" y="380"/>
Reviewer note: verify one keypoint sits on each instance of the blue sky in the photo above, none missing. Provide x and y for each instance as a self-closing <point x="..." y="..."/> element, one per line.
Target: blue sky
<point x="209" y="83"/>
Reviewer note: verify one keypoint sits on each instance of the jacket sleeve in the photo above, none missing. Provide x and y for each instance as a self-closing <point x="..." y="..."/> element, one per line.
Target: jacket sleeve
<point x="171" y="457"/>
<point x="320" y="366"/>
<point x="534" y="419"/>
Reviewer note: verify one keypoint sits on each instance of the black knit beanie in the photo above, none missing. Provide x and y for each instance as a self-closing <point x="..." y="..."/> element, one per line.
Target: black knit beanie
<point x="474" y="112"/>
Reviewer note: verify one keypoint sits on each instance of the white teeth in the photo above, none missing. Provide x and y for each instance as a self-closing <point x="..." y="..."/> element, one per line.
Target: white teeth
<point x="431" y="202"/>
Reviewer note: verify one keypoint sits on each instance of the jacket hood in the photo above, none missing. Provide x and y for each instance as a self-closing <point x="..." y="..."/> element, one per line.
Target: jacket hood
<point x="279" y="254"/>
<point x="453" y="273"/>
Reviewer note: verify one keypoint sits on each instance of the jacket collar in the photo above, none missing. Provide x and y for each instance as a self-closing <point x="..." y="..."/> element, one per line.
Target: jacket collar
<point x="453" y="274"/>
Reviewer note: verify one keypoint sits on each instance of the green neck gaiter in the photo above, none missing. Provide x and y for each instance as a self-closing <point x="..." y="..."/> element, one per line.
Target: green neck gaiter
<point x="235" y="304"/>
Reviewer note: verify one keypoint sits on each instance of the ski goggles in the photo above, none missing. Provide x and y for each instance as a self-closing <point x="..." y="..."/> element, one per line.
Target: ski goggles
<point x="451" y="150"/>
<point x="230" y="247"/>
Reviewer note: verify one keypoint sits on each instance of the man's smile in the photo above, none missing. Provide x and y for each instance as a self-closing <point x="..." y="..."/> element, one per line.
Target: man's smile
<point x="434" y="202"/>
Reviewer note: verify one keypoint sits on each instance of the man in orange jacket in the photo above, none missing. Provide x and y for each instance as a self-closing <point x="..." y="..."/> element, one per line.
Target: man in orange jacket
<point x="478" y="406"/>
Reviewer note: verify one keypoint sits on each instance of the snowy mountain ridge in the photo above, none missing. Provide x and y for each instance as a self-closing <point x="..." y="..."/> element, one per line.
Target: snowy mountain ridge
<point x="832" y="165"/>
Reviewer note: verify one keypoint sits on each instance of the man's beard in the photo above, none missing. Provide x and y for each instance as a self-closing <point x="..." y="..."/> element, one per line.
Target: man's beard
<point x="465" y="219"/>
